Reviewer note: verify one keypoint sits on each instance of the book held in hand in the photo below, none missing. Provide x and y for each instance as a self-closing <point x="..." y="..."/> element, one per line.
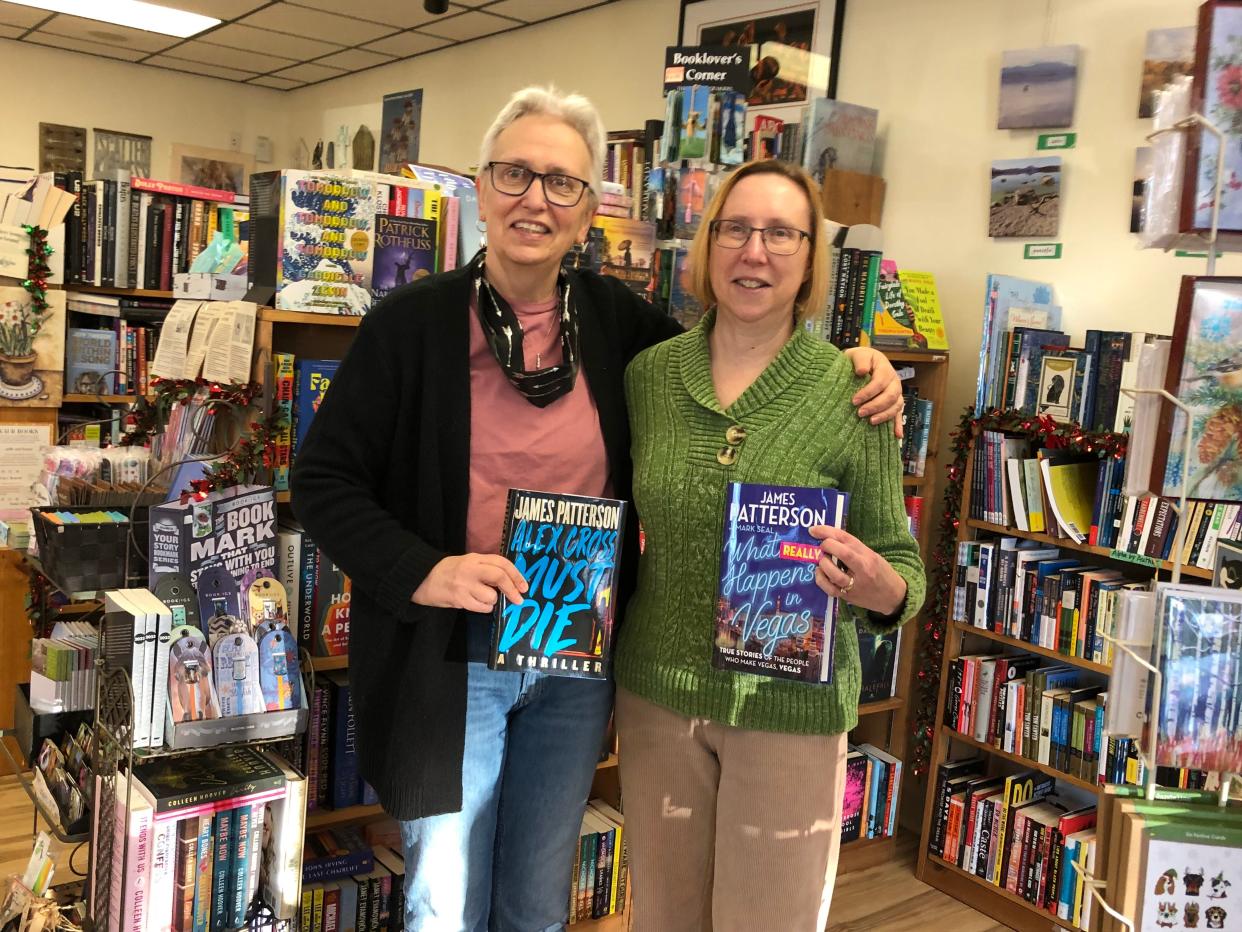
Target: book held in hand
<point x="568" y="549"/>
<point x="771" y="617"/>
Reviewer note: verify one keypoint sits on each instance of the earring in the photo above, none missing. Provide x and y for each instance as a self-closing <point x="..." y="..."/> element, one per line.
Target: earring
<point x="481" y="226"/>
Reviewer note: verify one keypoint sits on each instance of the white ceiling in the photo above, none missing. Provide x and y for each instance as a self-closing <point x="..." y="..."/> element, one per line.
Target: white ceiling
<point x="286" y="44"/>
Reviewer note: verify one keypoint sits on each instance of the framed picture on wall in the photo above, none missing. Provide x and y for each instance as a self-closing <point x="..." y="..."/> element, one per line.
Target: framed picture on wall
<point x="221" y="169"/>
<point x="795" y="48"/>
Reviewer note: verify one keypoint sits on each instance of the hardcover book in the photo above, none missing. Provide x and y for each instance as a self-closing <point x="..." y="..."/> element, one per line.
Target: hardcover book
<point x="405" y="251"/>
<point x="311" y="378"/>
<point x="878" y="655"/>
<point x="568" y="548"/>
<point x="224" y="773"/>
<point x="771" y="617"/>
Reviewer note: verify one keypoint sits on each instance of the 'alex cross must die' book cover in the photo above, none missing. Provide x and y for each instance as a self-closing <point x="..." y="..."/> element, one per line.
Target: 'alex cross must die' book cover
<point x="568" y="548"/>
<point x="771" y="617"/>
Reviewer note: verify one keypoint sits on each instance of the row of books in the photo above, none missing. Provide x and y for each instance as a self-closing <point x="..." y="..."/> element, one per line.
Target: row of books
<point x="628" y="160"/>
<point x="62" y="668"/>
<point x="1020" y="832"/>
<point x="1083" y="499"/>
<point x="300" y="385"/>
<point x="916" y="424"/>
<point x="206" y="836"/>
<point x="872" y="303"/>
<point x="914" y="515"/>
<point x="1051" y="714"/>
<point x="114" y="359"/>
<point x="318" y="593"/>
<point x="872" y="793"/>
<point x="130" y="232"/>
<point x="1034" y="593"/>
<point x="326" y="753"/>
<point x="601" y="866"/>
<point x="370" y="901"/>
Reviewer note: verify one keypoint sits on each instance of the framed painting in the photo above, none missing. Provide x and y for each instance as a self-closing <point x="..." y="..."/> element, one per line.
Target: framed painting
<point x="221" y="169"/>
<point x="795" y="48"/>
<point x="1205" y="374"/>
<point x="1217" y="94"/>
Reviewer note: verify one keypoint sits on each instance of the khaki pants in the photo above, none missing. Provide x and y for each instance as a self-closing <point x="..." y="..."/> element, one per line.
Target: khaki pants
<point x="728" y="830"/>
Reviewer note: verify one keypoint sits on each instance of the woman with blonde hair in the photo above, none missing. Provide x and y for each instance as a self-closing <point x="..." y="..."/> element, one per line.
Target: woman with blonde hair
<point x="507" y="372"/>
<point x="733" y="782"/>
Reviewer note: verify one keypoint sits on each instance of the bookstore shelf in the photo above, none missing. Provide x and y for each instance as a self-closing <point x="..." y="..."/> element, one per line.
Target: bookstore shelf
<point x="1068" y="544"/>
<point x="284" y="498"/>
<point x="911" y="481"/>
<point x="1006" y="907"/>
<point x="914" y="355"/>
<point x="71" y="398"/>
<point x="304" y="317"/>
<point x="954" y="735"/>
<point x="883" y="705"/>
<point x="318" y="819"/>
<point x="120" y="292"/>
<point x="329" y="663"/>
<point x="1032" y="648"/>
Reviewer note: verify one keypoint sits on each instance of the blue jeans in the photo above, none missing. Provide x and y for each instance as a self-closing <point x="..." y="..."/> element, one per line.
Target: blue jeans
<point x="503" y="862"/>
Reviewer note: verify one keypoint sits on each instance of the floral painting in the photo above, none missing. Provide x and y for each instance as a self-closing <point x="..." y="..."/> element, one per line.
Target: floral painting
<point x="1205" y="372"/>
<point x="1219" y="81"/>
<point x="32" y="349"/>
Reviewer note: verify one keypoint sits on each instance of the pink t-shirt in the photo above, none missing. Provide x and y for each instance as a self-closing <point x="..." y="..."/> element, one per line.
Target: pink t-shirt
<point x="513" y="444"/>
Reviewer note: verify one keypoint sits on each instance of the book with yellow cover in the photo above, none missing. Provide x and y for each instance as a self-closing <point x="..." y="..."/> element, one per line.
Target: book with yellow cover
<point x="919" y="291"/>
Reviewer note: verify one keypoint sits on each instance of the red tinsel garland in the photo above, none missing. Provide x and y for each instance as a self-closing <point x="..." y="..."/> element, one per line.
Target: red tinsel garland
<point x="935" y="613"/>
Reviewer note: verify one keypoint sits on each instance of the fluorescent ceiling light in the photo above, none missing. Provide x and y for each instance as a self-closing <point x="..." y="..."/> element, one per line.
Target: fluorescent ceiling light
<point x="132" y="13"/>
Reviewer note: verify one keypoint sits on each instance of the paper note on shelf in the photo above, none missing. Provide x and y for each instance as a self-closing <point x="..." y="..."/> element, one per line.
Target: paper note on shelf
<point x="173" y="346"/>
<point x="231" y="343"/>
<point x="204" y="325"/>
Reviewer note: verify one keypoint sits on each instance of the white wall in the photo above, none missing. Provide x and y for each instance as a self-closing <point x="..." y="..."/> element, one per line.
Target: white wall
<point x="51" y="86"/>
<point x="613" y="54"/>
<point x="932" y="68"/>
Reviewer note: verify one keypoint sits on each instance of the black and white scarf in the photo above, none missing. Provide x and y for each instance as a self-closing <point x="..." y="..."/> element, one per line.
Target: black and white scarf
<point x="503" y="330"/>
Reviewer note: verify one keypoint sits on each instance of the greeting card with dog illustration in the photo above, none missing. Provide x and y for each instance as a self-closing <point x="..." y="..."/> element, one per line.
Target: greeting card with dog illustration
<point x="1192" y="867"/>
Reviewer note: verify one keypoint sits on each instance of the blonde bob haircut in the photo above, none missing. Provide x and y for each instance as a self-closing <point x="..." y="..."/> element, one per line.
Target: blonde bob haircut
<point x="813" y="294"/>
<point x="573" y="109"/>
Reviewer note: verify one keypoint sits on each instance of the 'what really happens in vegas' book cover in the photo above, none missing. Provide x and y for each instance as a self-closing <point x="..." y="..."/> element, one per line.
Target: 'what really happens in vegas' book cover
<point x="771" y="617"/>
<point x="568" y="548"/>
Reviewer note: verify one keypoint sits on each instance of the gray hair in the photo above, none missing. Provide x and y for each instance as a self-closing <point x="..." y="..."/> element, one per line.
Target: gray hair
<point x="574" y="109"/>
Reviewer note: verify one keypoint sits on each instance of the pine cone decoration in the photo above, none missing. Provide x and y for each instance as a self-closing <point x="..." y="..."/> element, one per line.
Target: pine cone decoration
<point x="1222" y="427"/>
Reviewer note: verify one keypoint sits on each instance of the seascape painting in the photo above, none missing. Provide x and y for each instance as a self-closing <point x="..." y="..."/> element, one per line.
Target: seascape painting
<point x="1038" y="87"/>
<point x="1170" y="52"/>
<point x="1025" y="197"/>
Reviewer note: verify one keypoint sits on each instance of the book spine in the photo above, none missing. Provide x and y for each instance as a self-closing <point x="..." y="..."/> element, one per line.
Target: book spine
<point x="161" y="893"/>
<point x="239" y="870"/>
<point x="203" y="883"/>
<point x="167" y="247"/>
<point x="345" y="781"/>
<point x="221" y="869"/>
<point x="306" y="601"/>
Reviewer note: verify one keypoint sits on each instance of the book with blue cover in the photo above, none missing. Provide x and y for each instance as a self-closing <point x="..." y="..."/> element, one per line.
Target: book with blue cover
<point x="311" y="379"/>
<point x="772" y="618"/>
<point x="568" y="549"/>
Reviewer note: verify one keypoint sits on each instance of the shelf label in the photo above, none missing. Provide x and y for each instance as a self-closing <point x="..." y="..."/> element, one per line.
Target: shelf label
<point x="1057" y="140"/>
<point x="1136" y="558"/>
<point x="1187" y="254"/>
<point x="1041" y="251"/>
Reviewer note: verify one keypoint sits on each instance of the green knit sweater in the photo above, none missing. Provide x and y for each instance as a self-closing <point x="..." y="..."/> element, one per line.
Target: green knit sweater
<point x="800" y="430"/>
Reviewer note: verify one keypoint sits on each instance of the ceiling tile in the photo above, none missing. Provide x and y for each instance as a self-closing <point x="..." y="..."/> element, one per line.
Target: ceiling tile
<point x="274" y="43"/>
<point x="309" y="72"/>
<point x="194" y="67"/>
<point x="80" y="45"/>
<point x="198" y="50"/>
<point x="401" y="13"/>
<point x="407" y="43"/>
<point x="315" y="24"/>
<point x="532" y="11"/>
<point x="13" y="15"/>
<point x="220" y="9"/>
<point x="281" y="84"/>
<point x="353" y="59"/>
<point x="10" y="32"/>
<point x="90" y="30"/>
<point x="468" y="26"/>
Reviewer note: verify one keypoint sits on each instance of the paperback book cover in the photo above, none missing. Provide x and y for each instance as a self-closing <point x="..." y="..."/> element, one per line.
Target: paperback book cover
<point x="878" y="655"/>
<point x="405" y="251"/>
<point x="311" y="378"/>
<point x="90" y="358"/>
<point x="568" y="548"/>
<point x="841" y="136"/>
<point x="623" y="249"/>
<point x="771" y="617"/>
<point x="1201" y="661"/>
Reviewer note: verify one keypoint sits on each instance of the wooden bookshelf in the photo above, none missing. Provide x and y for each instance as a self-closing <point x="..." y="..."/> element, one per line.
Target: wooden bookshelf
<point x="951" y="734"/>
<point x="271" y="315"/>
<point x="881" y="706"/>
<point x="1001" y="905"/>
<point x="967" y="629"/>
<point x="320" y="664"/>
<point x="121" y="292"/>
<point x="318" y="819"/>
<point x="71" y="398"/>
<point x="1066" y="544"/>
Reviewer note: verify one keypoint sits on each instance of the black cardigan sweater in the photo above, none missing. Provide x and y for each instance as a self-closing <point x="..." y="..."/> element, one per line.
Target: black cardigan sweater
<point x="381" y="485"/>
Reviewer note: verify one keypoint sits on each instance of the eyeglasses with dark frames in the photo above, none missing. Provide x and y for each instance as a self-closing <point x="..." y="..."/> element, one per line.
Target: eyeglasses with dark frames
<point x="780" y="241"/>
<point x="515" y="180"/>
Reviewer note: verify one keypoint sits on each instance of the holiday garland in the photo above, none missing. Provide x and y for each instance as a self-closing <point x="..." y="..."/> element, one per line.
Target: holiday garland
<point x="37" y="270"/>
<point x="1047" y="433"/>
<point x="243" y="462"/>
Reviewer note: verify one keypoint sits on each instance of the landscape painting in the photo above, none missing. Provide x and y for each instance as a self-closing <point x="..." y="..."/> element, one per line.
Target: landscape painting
<point x="1025" y="197"/>
<point x="1170" y="52"/>
<point x="1038" y="87"/>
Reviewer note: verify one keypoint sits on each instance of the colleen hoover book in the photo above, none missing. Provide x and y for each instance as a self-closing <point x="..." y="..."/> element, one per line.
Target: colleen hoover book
<point x="771" y="617"/>
<point x="568" y="548"/>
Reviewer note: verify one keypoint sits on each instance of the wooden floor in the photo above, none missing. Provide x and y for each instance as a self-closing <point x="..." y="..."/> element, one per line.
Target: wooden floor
<point x="883" y="897"/>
